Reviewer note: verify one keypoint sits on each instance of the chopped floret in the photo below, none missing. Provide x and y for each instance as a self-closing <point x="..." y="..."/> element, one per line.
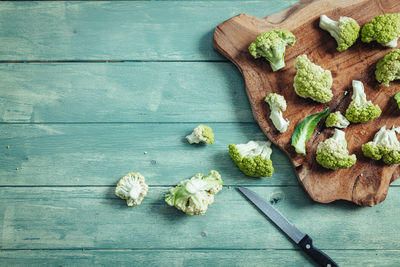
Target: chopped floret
<point x="360" y="110"/>
<point x="192" y="196"/>
<point x="253" y="158"/>
<point x="385" y="146"/>
<point x="132" y="187"/>
<point x="345" y="31"/>
<point x="272" y="46"/>
<point x="333" y="154"/>
<point x="201" y="134"/>
<point x="385" y="29"/>
<point x="312" y="81"/>
<point x="337" y="120"/>
<point x="277" y="104"/>
<point x="388" y="68"/>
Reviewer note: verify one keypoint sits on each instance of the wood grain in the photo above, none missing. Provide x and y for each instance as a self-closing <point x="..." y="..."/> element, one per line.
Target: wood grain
<point x="93" y="217"/>
<point x="198" y="258"/>
<point x="118" y="30"/>
<point x="367" y="182"/>
<point x="100" y="154"/>
<point x="123" y="92"/>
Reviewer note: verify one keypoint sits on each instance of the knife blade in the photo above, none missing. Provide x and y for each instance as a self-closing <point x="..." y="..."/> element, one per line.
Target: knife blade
<point x="303" y="240"/>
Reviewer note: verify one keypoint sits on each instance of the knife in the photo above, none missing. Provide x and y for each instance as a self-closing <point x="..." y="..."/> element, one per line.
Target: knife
<point x="303" y="240"/>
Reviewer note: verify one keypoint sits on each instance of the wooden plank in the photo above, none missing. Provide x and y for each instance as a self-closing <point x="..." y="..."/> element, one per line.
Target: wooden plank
<point x="123" y="92"/>
<point x="92" y="217"/>
<point x="228" y="258"/>
<point x="118" y="30"/>
<point x="100" y="154"/>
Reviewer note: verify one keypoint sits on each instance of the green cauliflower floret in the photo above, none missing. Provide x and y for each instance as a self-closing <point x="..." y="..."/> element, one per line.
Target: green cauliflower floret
<point x="253" y="158"/>
<point x="132" y="187"/>
<point x="277" y="104"/>
<point x="272" y="46"/>
<point x="360" y="110"/>
<point x="201" y="133"/>
<point x="388" y="68"/>
<point x="345" y="31"/>
<point x="337" y="120"/>
<point x="192" y="196"/>
<point x="333" y="154"/>
<point x="312" y="81"/>
<point x="385" y="29"/>
<point x="385" y="146"/>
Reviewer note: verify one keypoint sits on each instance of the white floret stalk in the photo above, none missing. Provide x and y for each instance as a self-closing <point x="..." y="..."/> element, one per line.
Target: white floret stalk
<point x="277" y="119"/>
<point x="340" y="137"/>
<point x="195" y="136"/>
<point x="277" y="65"/>
<point x="331" y="26"/>
<point x="255" y="148"/>
<point x="387" y="138"/>
<point x="359" y="95"/>
<point x="392" y="43"/>
<point x="343" y="122"/>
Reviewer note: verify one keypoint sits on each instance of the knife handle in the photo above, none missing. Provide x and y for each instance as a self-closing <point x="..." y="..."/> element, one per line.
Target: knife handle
<point x="317" y="255"/>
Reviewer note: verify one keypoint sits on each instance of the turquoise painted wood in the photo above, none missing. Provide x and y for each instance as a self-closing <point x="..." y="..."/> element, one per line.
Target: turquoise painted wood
<point x="123" y="92"/>
<point x="69" y="131"/>
<point x="119" y="30"/>
<point x="200" y="258"/>
<point x="100" y="154"/>
<point x="92" y="217"/>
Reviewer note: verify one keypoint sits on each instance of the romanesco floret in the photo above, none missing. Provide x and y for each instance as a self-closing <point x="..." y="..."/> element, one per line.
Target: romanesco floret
<point x="385" y="145"/>
<point x="388" y="68"/>
<point x="385" y="29"/>
<point x="337" y="120"/>
<point x="277" y="104"/>
<point x="333" y="154"/>
<point x="345" y="31"/>
<point x="192" y="196"/>
<point x="312" y="81"/>
<point x="272" y="46"/>
<point x="360" y="110"/>
<point x="132" y="187"/>
<point x="253" y="158"/>
<point x="201" y="134"/>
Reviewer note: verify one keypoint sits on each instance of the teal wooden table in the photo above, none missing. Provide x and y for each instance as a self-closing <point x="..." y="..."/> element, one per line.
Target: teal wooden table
<point x="87" y="88"/>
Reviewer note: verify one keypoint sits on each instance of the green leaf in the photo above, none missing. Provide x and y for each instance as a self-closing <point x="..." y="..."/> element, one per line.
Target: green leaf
<point x="397" y="98"/>
<point x="305" y="129"/>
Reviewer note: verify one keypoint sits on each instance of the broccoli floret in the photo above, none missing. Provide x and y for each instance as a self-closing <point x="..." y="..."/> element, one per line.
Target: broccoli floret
<point x="201" y="133"/>
<point x="333" y="154"/>
<point x="192" y="196"/>
<point x="385" y="29"/>
<point x="388" y="68"/>
<point x="360" y="110"/>
<point x="277" y="104"/>
<point x="272" y="46"/>
<point x="132" y="187"/>
<point x="253" y="158"/>
<point x="385" y="145"/>
<point x="345" y="31"/>
<point x="337" y="120"/>
<point x="312" y="81"/>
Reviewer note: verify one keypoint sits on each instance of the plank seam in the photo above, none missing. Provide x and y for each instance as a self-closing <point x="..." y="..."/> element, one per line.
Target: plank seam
<point x="188" y="249"/>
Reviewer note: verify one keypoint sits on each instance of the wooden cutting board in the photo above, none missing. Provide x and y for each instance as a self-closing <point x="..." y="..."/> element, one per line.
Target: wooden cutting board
<point x="367" y="182"/>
